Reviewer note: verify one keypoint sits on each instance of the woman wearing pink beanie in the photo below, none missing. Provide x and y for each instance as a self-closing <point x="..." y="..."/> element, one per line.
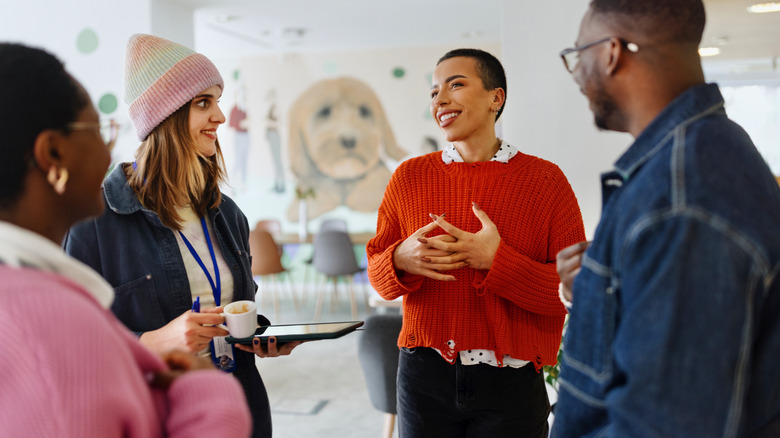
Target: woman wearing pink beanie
<point x="168" y="236"/>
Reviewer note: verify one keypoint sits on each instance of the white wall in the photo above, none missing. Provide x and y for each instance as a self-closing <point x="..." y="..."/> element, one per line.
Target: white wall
<point x="57" y="25"/>
<point x="545" y="114"/>
<point x="173" y="21"/>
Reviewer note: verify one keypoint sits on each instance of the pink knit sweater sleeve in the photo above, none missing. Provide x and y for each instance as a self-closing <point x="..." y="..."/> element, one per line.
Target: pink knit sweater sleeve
<point x="207" y="403"/>
<point x="71" y="369"/>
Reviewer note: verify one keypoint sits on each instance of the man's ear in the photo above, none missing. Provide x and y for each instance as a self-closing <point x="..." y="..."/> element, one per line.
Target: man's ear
<point x="615" y="56"/>
<point x="47" y="149"/>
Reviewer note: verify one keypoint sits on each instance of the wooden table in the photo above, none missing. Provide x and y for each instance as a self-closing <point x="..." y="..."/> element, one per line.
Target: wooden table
<point x="292" y="238"/>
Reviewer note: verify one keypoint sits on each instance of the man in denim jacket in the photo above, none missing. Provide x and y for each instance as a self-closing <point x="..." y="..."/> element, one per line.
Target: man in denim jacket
<point x="674" y="327"/>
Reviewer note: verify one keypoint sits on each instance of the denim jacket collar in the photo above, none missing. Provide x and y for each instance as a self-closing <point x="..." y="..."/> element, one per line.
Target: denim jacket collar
<point x="120" y="197"/>
<point x="694" y="102"/>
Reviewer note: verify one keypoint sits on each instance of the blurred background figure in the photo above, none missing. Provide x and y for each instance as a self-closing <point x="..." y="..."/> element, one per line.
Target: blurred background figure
<point x="241" y="140"/>
<point x="274" y="140"/>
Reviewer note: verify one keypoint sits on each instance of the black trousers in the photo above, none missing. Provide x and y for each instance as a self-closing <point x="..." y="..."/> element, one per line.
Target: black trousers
<point x="438" y="399"/>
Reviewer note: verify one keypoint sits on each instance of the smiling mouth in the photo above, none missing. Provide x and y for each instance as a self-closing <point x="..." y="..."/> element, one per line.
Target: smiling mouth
<point x="448" y="116"/>
<point x="212" y="134"/>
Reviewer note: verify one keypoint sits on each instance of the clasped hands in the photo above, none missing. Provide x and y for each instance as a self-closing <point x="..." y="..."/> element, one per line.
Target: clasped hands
<point x="432" y="256"/>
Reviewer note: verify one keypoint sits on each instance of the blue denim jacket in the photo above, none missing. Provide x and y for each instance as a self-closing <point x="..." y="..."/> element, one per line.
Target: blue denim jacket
<point x="140" y="258"/>
<point x="675" y="325"/>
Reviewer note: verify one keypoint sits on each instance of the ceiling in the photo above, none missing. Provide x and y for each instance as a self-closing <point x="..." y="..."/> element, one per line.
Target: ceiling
<point x="251" y="27"/>
<point x="277" y="26"/>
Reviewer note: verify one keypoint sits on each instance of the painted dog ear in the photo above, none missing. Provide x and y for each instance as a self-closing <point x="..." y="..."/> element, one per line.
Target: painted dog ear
<point x="296" y="141"/>
<point x="390" y="147"/>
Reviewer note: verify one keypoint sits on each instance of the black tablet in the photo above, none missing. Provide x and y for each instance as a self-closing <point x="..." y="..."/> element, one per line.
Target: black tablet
<point x="300" y="332"/>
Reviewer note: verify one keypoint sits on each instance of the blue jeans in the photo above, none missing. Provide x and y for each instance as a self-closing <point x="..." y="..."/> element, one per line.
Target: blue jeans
<point x="438" y="399"/>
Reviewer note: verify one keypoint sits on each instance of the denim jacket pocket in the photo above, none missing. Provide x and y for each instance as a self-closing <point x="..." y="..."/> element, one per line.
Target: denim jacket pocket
<point x="137" y="306"/>
<point x="596" y="314"/>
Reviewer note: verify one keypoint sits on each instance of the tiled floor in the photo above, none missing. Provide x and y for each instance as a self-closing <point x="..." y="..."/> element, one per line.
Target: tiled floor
<point x="319" y="390"/>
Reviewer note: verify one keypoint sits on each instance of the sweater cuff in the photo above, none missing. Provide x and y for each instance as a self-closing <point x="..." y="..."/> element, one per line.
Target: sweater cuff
<point x="385" y="279"/>
<point x="566" y="303"/>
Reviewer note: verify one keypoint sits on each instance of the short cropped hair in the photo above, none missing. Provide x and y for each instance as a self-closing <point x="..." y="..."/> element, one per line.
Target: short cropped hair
<point x="667" y="21"/>
<point x="489" y="69"/>
<point x="36" y="94"/>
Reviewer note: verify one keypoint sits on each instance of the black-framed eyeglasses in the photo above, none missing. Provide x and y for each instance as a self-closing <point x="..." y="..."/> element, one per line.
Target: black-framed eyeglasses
<point x="571" y="56"/>
<point x="109" y="130"/>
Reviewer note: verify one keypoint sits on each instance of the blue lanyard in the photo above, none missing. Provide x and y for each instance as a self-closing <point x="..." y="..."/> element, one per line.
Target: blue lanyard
<point x="215" y="288"/>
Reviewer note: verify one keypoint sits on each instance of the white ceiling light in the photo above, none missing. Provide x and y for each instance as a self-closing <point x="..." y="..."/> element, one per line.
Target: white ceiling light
<point x="225" y="18"/>
<point x="759" y="8"/>
<point x="709" y="51"/>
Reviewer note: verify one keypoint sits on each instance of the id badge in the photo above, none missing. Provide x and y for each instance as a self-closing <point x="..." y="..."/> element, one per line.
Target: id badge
<point x="223" y="354"/>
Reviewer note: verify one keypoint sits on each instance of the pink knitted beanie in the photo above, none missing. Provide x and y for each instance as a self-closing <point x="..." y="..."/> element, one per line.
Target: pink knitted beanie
<point x="160" y="77"/>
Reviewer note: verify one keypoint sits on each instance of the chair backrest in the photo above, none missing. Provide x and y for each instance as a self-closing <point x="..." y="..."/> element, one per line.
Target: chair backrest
<point x="266" y="257"/>
<point x="273" y="226"/>
<point x="333" y="225"/>
<point x="335" y="254"/>
<point x="378" y="356"/>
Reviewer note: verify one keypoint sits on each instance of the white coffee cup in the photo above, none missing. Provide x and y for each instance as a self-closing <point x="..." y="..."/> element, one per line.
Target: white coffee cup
<point x="241" y="318"/>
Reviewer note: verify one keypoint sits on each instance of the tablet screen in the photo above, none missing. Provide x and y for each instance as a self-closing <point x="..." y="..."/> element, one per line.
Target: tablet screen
<point x="301" y="332"/>
<point x="305" y="329"/>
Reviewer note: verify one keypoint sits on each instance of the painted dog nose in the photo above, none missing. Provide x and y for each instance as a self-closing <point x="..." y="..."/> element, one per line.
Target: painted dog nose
<point x="348" y="142"/>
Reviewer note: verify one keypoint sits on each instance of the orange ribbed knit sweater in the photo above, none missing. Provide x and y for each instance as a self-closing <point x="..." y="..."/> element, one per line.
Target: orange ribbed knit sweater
<point x="514" y="307"/>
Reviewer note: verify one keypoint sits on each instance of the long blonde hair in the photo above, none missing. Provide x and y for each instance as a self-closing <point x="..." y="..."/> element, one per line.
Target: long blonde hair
<point x="170" y="172"/>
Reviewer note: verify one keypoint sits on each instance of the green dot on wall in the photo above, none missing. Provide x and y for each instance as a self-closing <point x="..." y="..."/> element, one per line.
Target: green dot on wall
<point x="399" y="72"/>
<point x="107" y="103"/>
<point x="87" y="41"/>
<point x="330" y="67"/>
<point x="236" y="74"/>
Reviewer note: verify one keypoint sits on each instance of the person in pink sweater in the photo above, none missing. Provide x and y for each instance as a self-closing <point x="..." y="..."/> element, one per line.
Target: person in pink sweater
<point x="469" y="236"/>
<point x="70" y="368"/>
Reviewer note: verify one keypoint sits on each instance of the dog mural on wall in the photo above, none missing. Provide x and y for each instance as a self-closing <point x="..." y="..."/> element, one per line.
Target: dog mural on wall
<point x="340" y="144"/>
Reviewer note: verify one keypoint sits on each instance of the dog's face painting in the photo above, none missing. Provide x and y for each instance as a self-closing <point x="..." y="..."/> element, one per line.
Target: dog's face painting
<point x="343" y="126"/>
<point x="339" y="141"/>
<point x="344" y="133"/>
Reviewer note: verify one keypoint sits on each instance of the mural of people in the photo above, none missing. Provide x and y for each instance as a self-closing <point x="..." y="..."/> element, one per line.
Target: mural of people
<point x="338" y="137"/>
<point x="239" y="123"/>
<point x="241" y="141"/>
<point x="274" y="141"/>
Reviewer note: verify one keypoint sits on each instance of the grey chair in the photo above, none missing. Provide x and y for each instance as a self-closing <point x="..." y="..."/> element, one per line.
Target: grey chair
<point x="378" y="356"/>
<point x="332" y="224"/>
<point x="335" y="258"/>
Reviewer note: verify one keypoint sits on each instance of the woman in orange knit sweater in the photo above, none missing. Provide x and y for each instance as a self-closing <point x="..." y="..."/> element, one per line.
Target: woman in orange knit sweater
<point x="469" y="236"/>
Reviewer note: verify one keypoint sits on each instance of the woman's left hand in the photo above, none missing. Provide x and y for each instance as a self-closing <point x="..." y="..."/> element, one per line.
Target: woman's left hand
<point x="476" y="249"/>
<point x="271" y="349"/>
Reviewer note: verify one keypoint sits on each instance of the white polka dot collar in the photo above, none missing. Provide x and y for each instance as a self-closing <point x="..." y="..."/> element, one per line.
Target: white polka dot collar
<point x="505" y="153"/>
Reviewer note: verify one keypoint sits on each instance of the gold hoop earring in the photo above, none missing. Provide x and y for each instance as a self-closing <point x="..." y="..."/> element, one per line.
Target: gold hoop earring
<point x="58" y="181"/>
